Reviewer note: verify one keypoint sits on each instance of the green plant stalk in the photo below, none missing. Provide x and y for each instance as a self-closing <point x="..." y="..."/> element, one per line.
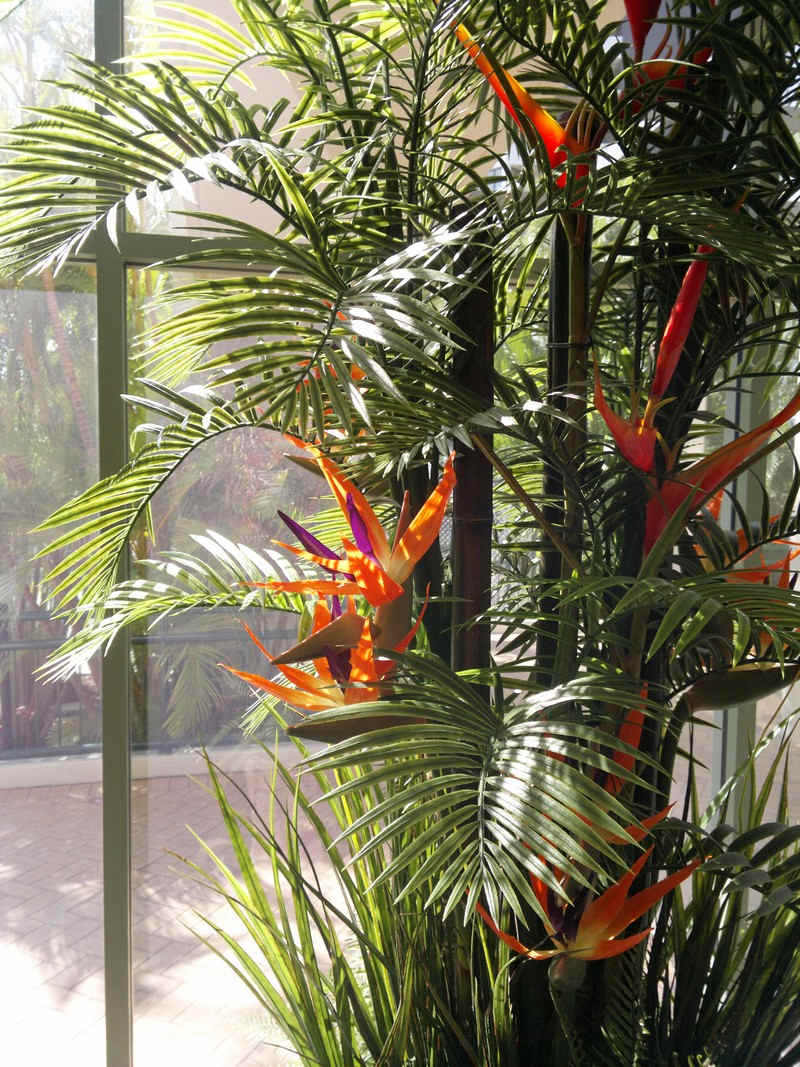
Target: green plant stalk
<point x="553" y="481"/>
<point x="578" y="232"/>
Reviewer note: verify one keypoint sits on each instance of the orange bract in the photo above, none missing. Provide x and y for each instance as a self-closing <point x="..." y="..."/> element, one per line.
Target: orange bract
<point x="602" y="919"/>
<point x="371" y="567"/>
<point x="556" y="140"/>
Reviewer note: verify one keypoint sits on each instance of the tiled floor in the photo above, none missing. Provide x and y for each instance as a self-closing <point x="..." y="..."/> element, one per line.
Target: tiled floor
<point x="189" y="1007"/>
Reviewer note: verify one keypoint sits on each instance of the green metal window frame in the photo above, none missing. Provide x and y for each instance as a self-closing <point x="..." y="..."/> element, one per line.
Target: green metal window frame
<point x="112" y="264"/>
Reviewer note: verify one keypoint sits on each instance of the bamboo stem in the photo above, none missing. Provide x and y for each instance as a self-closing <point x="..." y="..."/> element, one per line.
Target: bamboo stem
<point x="470" y="642"/>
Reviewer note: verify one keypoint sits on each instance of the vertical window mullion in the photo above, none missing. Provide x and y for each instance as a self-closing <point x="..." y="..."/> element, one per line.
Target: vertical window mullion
<point x="111" y="347"/>
<point x="736" y="726"/>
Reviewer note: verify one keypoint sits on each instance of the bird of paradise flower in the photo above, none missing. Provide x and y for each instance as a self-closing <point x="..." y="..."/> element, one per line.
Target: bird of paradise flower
<point x="589" y="928"/>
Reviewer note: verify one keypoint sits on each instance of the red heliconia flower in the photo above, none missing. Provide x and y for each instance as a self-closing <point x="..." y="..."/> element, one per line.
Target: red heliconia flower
<point x="640" y="16"/>
<point x="555" y="139"/>
<point x="636" y="438"/>
<point x="700" y="478"/>
<point x="671" y="73"/>
<point x="678" y="326"/>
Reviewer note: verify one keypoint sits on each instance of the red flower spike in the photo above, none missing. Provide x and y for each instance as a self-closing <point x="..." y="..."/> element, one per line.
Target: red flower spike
<point x="697" y="480"/>
<point x="635" y="440"/>
<point x="678" y="326"/>
<point x="640" y="16"/>
<point x="554" y="137"/>
<point x="631" y="733"/>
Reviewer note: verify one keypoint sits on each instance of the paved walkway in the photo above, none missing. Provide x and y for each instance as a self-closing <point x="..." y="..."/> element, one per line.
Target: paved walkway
<point x="189" y="1006"/>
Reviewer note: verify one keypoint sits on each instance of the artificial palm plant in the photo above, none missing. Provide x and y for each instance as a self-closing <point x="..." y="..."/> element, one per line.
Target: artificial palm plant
<point x="567" y="318"/>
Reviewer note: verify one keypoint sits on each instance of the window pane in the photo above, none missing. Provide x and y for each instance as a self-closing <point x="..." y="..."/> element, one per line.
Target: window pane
<point x="51" y="936"/>
<point x="148" y="35"/>
<point x="187" y="1002"/>
<point x="36" y="37"/>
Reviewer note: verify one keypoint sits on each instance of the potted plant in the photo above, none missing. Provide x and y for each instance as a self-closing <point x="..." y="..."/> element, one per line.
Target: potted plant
<point x="548" y="336"/>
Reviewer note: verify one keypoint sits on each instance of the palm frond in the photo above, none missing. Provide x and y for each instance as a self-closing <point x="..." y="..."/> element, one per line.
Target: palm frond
<point x="498" y="778"/>
<point x="102" y="519"/>
<point x="181" y="583"/>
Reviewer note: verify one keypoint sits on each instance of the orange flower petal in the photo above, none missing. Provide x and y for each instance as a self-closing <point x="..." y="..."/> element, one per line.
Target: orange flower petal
<point x="372" y="580"/>
<point x="424" y="527"/>
<point x="636" y="831"/>
<point x="600" y="913"/>
<point x="328" y="563"/>
<point x="362" y="670"/>
<point x="341" y="487"/>
<point x="605" y="950"/>
<point x="295" y="697"/>
<point x="642" y="902"/>
<point x="311" y="683"/>
<point x="507" y="939"/>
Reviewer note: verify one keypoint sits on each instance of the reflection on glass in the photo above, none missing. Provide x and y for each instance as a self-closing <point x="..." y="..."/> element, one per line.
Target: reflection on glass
<point x="187" y="1002"/>
<point x="51" y="938"/>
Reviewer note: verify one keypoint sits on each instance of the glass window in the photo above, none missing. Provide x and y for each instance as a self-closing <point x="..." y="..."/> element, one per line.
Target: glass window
<point x="51" y="890"/>
<point x="187" y="1002"/>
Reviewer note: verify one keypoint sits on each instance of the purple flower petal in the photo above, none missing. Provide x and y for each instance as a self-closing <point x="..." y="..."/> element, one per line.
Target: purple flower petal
<point x="336" y="607"/>
<point x="311" y="544"/>
<point x="339" y="664"/>
<point x="307" y="540"/>
<point x="359" y="528"/>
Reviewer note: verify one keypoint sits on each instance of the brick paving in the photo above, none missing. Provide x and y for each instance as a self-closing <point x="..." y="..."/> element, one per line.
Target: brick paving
<point x="188" y="1005"/>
